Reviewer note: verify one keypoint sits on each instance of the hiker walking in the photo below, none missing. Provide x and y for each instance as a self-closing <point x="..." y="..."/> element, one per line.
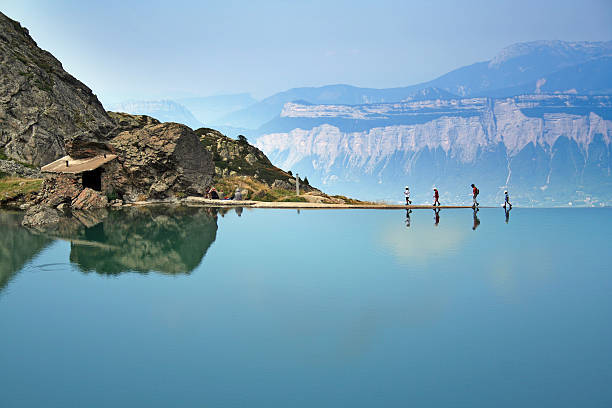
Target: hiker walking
<point x="507" y="201"/>
<point x="436" y="197"/>
<point x="407" y="195"/>
<point x="475" y="193"/>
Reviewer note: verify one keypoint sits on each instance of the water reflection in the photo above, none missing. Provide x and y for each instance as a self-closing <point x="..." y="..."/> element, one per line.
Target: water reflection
<point x="408" y="212"/>
<point x="164" y="239"/>
<point x="507" y="211"/>
<point x="17" y="246"/>
<point x="159" y="238"/>
<point x="476" y="219"/>
<point x="436" y="216"/>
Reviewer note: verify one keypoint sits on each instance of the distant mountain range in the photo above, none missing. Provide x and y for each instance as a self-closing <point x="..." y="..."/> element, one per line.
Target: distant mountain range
<point x="531" y="119"/>
<point x="163" y="110"/>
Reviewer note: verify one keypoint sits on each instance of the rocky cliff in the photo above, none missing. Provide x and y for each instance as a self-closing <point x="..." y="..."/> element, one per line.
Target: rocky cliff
<point x="42" y="107"/>
<point x="547" y="149"/>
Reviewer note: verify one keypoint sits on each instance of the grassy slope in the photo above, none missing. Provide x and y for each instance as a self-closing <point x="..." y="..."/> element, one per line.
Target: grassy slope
<point x="12" y="187"/>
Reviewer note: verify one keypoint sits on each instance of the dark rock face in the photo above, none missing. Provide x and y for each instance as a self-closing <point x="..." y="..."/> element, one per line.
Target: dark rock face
<point x="159" y="161"/>
<point x="44" y="111"/>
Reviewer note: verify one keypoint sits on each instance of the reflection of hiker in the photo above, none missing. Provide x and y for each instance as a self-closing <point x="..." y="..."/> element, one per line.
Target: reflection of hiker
<point x="436" y="197"/>
<point x="436" y="216"/>
<point x="476" y="220"/>
<point x="407" y="195"/>
<point x="507" y="201"/>
<point x="238" y="195"/>
<point x="475" y="193"/>
<point x="507" y="211"/>
<point x="408" y="218"/>
<point x="238" y="211"/>
<point x="214" y="194"/>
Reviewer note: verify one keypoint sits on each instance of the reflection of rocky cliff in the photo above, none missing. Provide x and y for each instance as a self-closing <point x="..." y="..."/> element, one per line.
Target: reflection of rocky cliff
<point x="17" y="246"/>
<point x="161" y="239"/>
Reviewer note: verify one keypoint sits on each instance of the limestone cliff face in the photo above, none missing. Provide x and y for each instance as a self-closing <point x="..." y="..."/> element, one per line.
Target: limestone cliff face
<point x="42" y="107"/>
<point x="548" y="148"/>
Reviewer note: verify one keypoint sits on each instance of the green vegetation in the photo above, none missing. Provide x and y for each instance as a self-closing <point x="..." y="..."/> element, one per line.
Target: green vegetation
<point x="230" y="155"/>
<point x="12" y="187"/>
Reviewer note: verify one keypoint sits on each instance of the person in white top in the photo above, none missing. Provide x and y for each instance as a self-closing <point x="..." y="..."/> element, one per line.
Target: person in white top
<point x="407" y="195"/>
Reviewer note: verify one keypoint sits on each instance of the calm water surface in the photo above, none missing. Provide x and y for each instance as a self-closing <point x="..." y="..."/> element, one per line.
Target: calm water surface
<point x="326" y="308"/>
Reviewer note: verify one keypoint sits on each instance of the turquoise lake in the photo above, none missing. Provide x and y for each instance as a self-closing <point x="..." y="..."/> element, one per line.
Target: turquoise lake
<point x="191" y="307"/>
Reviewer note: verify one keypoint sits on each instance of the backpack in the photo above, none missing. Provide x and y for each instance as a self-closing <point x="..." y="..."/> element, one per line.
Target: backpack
<point x="477" y="191"/>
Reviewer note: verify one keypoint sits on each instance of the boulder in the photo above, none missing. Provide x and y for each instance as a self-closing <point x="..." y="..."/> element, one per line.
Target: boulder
<point x="89" y="199"/>
<point x="159" y="160"/>
<point x="39" y="216"/>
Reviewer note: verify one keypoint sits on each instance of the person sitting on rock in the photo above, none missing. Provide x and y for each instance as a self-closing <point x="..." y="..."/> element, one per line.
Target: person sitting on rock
<point x="238" y="195"/>
<point x="214" y="194"/>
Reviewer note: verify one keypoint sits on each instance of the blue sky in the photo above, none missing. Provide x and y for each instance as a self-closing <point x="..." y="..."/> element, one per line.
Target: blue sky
<point x="163" y="49"/>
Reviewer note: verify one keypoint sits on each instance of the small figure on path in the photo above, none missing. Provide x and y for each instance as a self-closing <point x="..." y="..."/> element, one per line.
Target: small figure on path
<point x="436" y="216"/>
<point x="408" y="218"/>
<point x="407" y="195"/>
<point x="475" y="193"/>
<point x="476" y="220"/>
<point x="436" y="197"/>
<point x="238" y="194"/>
<point x="507" y="201"/>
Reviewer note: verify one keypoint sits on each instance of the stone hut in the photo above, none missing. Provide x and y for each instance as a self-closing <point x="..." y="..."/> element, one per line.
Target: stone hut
<point x="84" y="173"/>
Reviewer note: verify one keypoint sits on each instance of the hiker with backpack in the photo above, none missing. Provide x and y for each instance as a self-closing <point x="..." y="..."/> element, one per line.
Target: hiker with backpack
<point x="507" y="201"/>
<point x="436" y="197"/>
<point x="475" y="193"/>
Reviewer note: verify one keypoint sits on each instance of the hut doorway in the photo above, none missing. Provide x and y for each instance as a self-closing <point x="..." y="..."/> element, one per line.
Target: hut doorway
<point x="93" y="179"/>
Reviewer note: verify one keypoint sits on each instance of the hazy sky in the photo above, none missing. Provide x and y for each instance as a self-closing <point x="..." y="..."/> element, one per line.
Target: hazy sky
<point x="162" y="49"/>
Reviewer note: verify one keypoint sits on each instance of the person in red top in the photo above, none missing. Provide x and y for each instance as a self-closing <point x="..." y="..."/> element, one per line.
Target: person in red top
<point x="436" y="197"/>
<point x="475" y="193"/>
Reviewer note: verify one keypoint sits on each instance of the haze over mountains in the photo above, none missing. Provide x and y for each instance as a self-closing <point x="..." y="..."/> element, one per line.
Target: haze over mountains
<point x="530" y="119"/>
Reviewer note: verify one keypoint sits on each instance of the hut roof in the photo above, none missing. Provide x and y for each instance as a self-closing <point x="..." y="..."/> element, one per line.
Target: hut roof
<point x="76" y="166"/>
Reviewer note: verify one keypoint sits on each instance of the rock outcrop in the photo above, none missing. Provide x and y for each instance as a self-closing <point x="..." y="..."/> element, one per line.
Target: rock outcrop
<point x="40" y="216"/>
<point x="89" y="199"/>
<point x="237" y="157"/>
<point x="159" y="160"/>
<point x="13" y="168"/>
<point x="44" y="111"/>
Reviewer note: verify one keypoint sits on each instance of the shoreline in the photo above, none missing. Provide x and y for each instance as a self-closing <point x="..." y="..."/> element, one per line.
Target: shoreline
<point x="205" y="202"/>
